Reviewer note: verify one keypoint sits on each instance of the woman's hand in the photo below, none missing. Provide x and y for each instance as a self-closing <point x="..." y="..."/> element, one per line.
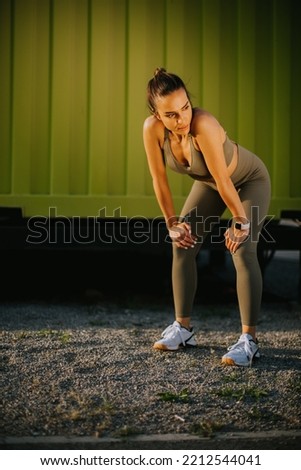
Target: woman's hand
<point x="234" y="238"/>
<point x="180" y="234"/>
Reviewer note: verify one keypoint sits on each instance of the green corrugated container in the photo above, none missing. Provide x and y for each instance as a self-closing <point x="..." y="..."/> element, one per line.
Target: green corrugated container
<point x="72" y="95"/>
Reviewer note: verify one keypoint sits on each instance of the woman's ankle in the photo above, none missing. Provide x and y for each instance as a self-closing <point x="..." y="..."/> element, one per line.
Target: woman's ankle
<point x="250" y="330"/>
<point x="184" y="321"/>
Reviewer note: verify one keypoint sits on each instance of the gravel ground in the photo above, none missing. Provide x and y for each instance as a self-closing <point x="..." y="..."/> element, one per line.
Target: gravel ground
<point x="87" y="367"/>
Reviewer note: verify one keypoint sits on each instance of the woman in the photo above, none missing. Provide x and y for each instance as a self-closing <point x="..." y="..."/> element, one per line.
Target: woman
<point x="191" y="141"/>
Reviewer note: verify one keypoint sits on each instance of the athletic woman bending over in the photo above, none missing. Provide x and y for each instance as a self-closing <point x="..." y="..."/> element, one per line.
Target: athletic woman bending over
<point x="192" y="142"/>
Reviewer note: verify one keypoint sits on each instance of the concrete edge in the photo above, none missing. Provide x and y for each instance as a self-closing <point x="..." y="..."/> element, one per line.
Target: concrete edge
<point x="241" y="440"/>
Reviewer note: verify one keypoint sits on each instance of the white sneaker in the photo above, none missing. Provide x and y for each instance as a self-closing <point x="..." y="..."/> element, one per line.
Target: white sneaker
<point x="242" y="353"/>
<point x="175" y="336"/>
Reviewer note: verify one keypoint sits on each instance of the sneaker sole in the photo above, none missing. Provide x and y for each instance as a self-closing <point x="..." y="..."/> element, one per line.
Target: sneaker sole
<point x="163" y="347"/>
<point x="228" y="361"/>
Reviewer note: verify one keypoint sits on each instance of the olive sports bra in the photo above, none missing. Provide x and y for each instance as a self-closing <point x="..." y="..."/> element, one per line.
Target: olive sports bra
<point x="198" y="169"/>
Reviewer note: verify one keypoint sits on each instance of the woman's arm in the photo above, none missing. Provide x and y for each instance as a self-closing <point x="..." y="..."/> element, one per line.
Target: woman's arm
<point x="153" y="136"/>
<point x="210" y="137"/>
<point x="151" y="139"/>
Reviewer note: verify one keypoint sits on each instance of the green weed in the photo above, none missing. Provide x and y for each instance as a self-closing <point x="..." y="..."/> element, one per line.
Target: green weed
<point x="242" y="393"/>
<point x="182" y="396"/>
<point x="62" y="336"/>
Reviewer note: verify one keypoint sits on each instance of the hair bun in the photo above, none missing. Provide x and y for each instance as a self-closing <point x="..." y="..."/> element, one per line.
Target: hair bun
<point x="159" y="70"/>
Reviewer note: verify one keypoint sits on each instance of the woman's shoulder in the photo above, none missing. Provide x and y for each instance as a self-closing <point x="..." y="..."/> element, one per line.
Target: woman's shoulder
<point x="153" y="127"/>
<point x="202" y="117"/>
<point x="203" y="122"/>
<point x="152" y="123"/>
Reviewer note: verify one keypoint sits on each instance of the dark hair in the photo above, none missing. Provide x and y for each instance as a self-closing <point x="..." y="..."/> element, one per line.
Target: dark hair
<point x="162" y="84"/>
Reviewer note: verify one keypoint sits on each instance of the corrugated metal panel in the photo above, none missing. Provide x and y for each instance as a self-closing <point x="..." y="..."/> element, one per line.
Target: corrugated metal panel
<point x="72" y="95"/>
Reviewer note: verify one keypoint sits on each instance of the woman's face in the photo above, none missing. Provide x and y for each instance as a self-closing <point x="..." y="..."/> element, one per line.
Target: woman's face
<point x="175" y="111"/>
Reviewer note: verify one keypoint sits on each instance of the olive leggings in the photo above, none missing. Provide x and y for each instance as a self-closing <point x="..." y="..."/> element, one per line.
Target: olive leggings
<point x="202" y="208"/>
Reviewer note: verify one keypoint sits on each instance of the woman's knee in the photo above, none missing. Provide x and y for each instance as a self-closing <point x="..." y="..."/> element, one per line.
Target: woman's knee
<point x="182" y="255"/>
<point x="246" y="255"/>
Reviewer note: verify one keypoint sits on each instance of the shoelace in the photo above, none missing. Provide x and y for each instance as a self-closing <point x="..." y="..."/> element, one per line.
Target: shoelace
<point x="172" y="330"/>
<point x="244" y="344"/>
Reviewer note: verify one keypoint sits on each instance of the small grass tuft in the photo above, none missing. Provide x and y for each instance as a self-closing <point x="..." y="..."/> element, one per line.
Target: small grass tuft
<point x="182" y="396"/>
<point x="242" y="393"/>
<point x="206" y="428"/>
<point x="62" y="336"/>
